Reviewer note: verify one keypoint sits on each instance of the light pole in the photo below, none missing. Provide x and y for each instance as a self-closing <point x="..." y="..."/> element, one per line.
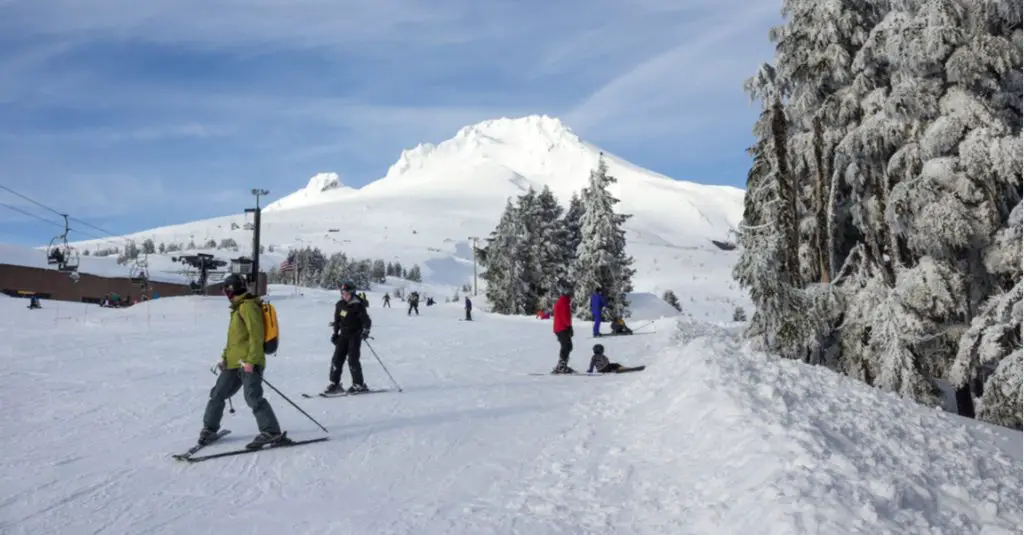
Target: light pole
<point x="255" y="277"/>
<point x="474" y="239"/>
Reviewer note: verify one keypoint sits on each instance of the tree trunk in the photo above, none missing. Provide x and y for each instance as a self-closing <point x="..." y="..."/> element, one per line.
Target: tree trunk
<point x="787" y="193"/>
<point x="820" y="205"/>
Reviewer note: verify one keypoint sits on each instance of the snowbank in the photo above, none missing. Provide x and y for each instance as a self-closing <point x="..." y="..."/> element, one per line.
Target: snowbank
<point x="716" y="439"/>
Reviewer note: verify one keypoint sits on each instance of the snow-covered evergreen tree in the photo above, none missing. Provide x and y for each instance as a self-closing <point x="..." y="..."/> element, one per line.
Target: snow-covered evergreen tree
<point x="601" y="260"/>
<point x="670" y="297"/>
<point x="414" y="273"/>
<point x="551" y="248"/>
<point x="903" y="140"/>
<point x="527" y="247"/>
<point x="379" y="271"/>
<point x="507" y="289"/>
<point x="570" y="223"/>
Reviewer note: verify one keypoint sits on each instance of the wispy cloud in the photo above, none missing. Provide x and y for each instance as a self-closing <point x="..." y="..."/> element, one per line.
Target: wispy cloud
<point x="119" y="102"/>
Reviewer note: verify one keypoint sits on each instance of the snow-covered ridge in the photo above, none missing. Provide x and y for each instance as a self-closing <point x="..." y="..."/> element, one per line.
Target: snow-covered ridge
<point x="313" y="193"/>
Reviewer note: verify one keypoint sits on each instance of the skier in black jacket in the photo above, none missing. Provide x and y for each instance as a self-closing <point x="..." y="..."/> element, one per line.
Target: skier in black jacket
<point x="351" y="326"/>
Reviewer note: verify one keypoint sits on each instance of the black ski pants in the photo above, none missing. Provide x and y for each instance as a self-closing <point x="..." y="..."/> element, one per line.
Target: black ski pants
<point x="347" y="346"/>
<point x="564" y="344"/>
<point x="414" y="307"/>
<point x="469" y="315"/>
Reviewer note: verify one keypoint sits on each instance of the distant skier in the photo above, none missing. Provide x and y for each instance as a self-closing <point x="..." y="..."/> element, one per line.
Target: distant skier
<point x="241" y="367"/>
<point x="469" y="309"/>
<point x="351" y="326"/>
<point x="414" y="303"/>
<point x="387" y="300"/>
<point x="597" y="304"/>
<point x="33" y="302"/>
<point x="563" y="330"/>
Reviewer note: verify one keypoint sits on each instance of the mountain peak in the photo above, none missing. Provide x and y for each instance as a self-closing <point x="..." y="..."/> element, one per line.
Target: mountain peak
<point x="527" y="129"/>
<point x="531" y="135"/>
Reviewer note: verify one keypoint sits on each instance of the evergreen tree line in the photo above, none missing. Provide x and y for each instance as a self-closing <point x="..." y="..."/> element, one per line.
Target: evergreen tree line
<point x="312" y="268"/>
<point x="882" y="222"/>
<point x="539" y="245"/>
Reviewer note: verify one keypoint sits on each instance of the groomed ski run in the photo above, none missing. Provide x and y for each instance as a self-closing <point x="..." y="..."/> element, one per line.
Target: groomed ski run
<point x="709" y="439"/>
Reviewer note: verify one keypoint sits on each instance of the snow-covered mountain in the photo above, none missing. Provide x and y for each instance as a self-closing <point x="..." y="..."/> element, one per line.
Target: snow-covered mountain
<point x="435" y="197"/>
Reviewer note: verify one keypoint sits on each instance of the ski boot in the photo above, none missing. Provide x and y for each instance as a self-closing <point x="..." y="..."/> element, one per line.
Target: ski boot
<point x="334" y="388"/>
<point x="207" y="436"/>
<point x="562" y="367"/>
<point x="268" y="439"/>
<point x="358" y="389"/>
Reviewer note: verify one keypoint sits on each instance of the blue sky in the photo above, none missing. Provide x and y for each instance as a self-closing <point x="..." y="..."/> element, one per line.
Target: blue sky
<point x="132" y="114"/>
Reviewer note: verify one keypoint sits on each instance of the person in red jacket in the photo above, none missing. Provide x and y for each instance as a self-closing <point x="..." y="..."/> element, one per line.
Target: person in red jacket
<point x="563" y="330"/>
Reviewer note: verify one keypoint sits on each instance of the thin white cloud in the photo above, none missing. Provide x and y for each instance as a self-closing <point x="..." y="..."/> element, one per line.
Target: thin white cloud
<point x="684" y="87"/>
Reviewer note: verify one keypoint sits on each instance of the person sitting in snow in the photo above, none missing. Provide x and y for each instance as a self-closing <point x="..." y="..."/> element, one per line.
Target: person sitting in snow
<point x="601" y="363"/>
<point x="619" y="327"/>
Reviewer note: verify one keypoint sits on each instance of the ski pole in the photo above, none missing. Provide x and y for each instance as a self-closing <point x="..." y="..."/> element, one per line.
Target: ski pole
<point x="382" y="365"/>
<point x="304" y="413"/>
<point x="642" y="326"/>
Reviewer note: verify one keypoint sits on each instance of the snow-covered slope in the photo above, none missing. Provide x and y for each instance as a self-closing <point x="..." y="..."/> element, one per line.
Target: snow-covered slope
<point x="710" y="439"/>
<point x="434" y="198"/>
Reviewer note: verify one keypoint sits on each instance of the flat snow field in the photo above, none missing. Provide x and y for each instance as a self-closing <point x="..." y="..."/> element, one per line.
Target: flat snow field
<point x="710" y="439"/>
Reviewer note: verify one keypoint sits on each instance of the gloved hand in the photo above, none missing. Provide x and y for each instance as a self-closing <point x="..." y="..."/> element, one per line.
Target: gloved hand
<point x="334" y="339"/>
<point x="366" y="334"/>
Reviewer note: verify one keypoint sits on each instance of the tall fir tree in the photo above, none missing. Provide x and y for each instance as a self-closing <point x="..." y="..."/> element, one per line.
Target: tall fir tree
<point x="551" y="249"/>
<point x="504" y="269"/>
<point x="601" y="260"/>
<point x="570" y="224"/>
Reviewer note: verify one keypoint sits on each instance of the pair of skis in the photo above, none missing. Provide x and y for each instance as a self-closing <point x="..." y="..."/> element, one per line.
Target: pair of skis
<point x="345" y="394"/>
<point x="190" y="455"/>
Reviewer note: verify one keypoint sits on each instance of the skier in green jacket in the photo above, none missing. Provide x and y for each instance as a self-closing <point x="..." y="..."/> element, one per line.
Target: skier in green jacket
<point x="241" y="367"/>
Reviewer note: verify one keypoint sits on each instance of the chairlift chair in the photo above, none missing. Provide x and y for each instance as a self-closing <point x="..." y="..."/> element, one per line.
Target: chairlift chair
<point x="61" y="253"/>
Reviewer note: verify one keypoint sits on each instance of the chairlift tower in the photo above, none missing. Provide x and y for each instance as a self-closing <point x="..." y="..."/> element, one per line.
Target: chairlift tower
<point x="254" y="275"/>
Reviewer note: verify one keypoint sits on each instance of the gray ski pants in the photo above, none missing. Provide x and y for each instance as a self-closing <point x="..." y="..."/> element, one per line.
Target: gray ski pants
<point x="229" y="382"/>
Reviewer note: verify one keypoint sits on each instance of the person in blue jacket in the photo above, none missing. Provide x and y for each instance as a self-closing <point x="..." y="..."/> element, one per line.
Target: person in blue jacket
<point x="597" y="303"/>
<point x="469" y="309"/>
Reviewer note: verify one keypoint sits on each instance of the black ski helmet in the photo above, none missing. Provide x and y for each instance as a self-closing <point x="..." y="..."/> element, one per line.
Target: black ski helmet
<point x="347" y="286"/>
<point x="234" y="284"/>
<point x="598" y="349"/>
